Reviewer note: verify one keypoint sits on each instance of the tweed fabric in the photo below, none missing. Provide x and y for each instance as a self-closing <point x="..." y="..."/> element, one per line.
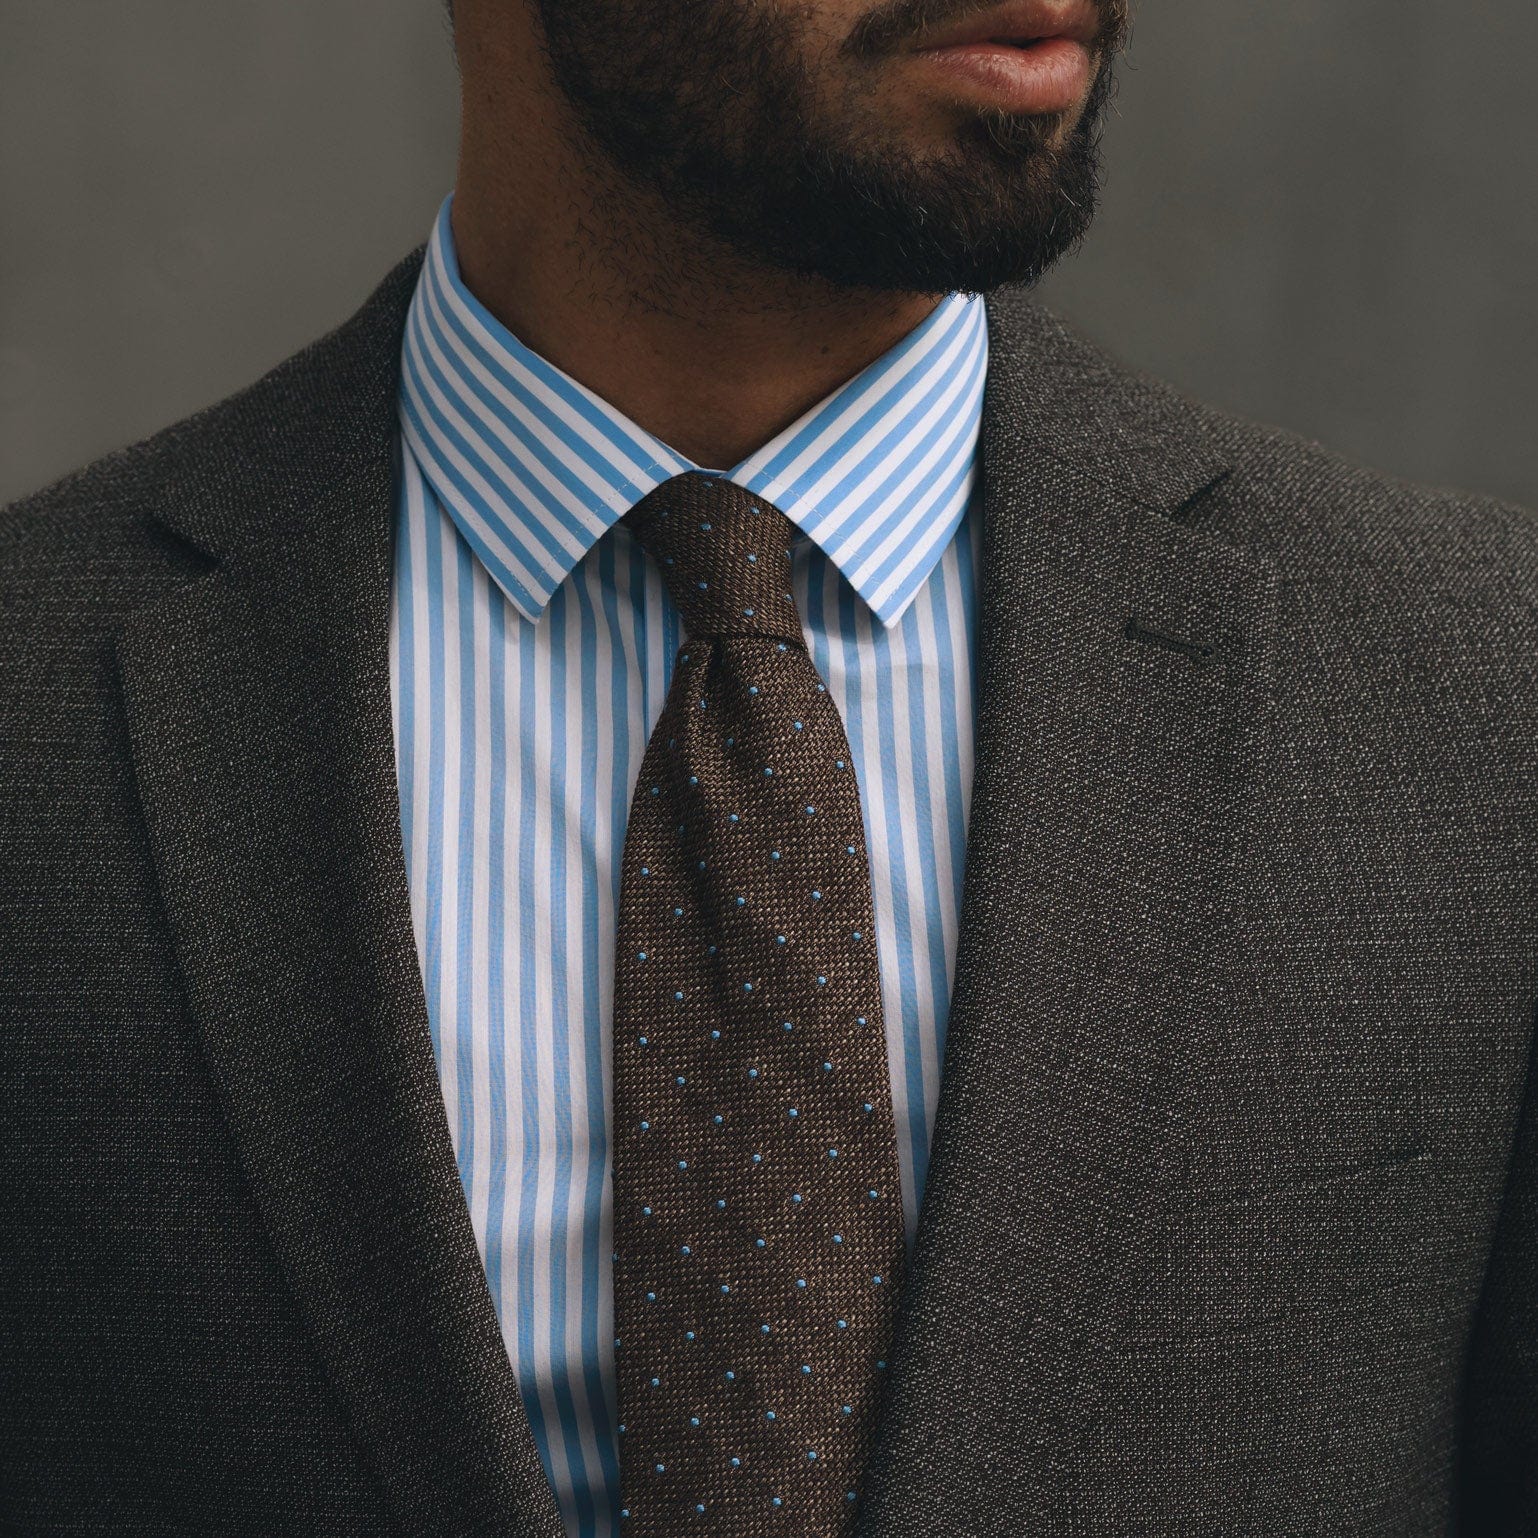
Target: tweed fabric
<point x="1230" y="1223"/>
<point x="758" y="1226"/>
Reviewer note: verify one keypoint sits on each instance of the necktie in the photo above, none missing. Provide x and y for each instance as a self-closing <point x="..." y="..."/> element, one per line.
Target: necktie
<point x="758" y="1229"/>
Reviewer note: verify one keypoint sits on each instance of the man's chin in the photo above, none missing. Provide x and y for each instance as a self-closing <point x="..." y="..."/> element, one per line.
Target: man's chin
<point x="966" y="228"/>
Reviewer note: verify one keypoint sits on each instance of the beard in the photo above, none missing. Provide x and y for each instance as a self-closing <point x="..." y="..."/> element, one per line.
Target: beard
<point x="723" y="111"/>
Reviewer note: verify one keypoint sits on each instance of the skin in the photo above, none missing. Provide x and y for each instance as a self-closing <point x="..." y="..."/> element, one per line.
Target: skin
<point x="657" y="195"/>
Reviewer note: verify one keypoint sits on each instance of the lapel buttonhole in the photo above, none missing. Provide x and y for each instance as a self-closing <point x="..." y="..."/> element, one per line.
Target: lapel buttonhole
<point x="1196" y="651"/>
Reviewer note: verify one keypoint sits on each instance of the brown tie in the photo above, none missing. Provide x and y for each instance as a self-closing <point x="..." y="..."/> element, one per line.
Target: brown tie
<point x="758" y="1228"/>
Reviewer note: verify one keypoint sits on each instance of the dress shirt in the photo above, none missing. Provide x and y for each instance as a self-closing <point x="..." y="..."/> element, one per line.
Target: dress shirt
<point x="531" y="647"/>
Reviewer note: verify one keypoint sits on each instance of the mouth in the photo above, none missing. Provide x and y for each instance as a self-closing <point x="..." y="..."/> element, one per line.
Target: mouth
<point x="1022" y="25"/>
<point x="1028" y="57"/>
<point x="1030" y="76"/>
<point x="1015" y="42"/>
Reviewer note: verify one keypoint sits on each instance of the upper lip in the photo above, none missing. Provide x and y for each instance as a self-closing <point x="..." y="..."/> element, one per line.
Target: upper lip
<point x="1020" y="21"/>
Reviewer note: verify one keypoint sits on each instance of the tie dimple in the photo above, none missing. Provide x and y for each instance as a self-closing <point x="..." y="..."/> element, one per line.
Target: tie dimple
<point x="724" y="554"/>
<point x="757" y="1216"/>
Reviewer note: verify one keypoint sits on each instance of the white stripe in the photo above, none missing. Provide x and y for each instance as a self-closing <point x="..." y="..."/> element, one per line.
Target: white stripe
<point x="492" y="430"/>
<point x="474" y="516"/>
<point x="548" y="402"/>
<point x="869" y="507"/>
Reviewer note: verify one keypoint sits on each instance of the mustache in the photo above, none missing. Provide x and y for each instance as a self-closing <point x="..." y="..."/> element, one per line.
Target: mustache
<point x="889" y="27"/>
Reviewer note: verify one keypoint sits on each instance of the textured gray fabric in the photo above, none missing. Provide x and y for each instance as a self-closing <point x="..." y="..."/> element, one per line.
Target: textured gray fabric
<point x="1230" y="1220"/>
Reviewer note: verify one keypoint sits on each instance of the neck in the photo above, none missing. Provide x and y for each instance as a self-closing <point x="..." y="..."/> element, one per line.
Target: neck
<point x="711" y="354"/>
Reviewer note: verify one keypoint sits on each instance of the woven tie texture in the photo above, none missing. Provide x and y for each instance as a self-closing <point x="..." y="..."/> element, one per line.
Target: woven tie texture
<point x="758" y="1228"/>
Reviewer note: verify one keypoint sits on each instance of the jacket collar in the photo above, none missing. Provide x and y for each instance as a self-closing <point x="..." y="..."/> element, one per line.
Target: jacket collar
<point x="1111" y="774"/>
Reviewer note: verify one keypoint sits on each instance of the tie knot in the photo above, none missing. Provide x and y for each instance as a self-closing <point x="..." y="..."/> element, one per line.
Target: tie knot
<point x="724" y="554"/>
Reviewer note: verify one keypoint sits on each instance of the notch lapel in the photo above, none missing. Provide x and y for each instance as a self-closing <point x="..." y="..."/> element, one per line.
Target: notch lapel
<point x="258" y="706"/>
<point x="1122" y="663"/>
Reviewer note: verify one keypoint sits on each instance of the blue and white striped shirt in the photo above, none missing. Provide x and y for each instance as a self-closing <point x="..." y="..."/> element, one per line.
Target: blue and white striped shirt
<point x="531" y="647"/>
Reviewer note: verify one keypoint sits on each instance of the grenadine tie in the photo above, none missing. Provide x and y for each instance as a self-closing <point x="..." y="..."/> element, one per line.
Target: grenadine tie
<point x="758" y="1228"/>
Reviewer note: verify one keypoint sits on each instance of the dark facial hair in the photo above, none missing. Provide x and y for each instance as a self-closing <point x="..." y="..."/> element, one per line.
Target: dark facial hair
<point x="712" y="106"/>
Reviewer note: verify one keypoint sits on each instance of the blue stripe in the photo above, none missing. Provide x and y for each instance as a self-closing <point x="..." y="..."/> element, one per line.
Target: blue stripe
<point x="511" y="489"/>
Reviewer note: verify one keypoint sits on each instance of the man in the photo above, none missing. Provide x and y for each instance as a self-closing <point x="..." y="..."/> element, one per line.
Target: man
<point x="489" y="977"/>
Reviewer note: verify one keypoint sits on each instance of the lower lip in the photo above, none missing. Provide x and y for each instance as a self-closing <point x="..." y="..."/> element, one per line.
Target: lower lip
<point x="1052" y="75"/>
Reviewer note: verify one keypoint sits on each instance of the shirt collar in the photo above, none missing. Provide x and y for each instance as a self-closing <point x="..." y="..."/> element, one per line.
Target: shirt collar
<point x="534" y="467"/>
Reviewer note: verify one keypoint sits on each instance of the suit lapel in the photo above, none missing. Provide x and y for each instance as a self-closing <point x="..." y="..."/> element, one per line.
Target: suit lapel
<point x="258" y="706"/>
<point x="1122" y="656"/>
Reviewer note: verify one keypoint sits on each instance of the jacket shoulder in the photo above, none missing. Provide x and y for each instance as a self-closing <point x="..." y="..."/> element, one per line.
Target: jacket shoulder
<point x="110" y="520"/>
<point x="1319" y="515"/>
<point x="1387" y="588"/>
<point x="1312" y="510"/>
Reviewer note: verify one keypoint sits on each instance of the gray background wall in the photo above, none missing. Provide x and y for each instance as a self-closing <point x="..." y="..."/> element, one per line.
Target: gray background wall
<point x="1319" y="213"/>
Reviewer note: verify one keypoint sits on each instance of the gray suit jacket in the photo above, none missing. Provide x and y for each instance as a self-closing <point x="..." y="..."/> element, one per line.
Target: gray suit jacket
<point x="1232" y="1219"/>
